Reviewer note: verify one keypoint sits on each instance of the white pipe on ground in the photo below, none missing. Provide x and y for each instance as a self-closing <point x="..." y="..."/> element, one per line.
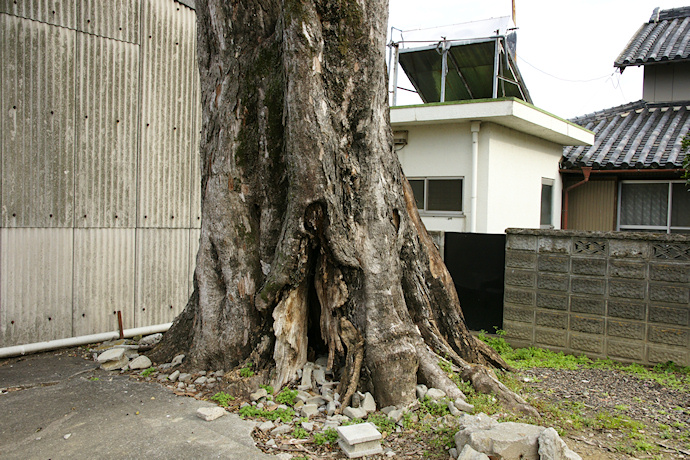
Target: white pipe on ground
<point x="17" y="350"/>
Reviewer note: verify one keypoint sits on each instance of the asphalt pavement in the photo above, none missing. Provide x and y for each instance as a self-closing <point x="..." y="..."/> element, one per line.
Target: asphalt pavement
<point x="55" y="406"/>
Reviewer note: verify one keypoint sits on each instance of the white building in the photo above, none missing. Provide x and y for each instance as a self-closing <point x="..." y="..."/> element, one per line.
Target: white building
<point x="483" y="166"/>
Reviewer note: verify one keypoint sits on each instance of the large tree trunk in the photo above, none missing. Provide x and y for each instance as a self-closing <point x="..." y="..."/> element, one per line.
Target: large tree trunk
<point x="310" y="235"/>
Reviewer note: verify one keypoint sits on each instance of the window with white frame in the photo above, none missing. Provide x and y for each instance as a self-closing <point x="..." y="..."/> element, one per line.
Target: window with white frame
<point x="438" y="195"/>
<point x="546" y="218"/>
<point x="654" y="206"/>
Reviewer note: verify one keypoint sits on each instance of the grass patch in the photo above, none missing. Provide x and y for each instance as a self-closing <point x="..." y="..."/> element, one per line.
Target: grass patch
<point x="285" y="415"/>
<point x="328" y="436"/>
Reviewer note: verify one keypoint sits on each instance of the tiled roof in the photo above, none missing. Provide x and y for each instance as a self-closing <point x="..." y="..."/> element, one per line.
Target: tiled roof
<point x="639" y="135"/>
<point x="666" y="37"/>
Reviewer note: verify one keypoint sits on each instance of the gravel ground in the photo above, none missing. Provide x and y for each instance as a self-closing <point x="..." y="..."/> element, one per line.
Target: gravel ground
<point x="600" y="392"/>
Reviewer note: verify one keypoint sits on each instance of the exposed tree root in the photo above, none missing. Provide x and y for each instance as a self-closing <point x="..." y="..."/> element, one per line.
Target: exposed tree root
<point x="353" y="362"/>
<point x="483" y="380"/>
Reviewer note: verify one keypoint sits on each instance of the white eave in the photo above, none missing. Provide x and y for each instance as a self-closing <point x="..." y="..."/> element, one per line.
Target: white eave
<point x="511" y="113"/>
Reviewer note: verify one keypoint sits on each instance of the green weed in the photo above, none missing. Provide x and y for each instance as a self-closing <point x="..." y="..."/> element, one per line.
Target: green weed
<point x="328" y="436"/>
<point x="286" y="397"/>
<point x="147" y="372"/>
<point x="222" y="398"/>
<point x="247" y="371"/>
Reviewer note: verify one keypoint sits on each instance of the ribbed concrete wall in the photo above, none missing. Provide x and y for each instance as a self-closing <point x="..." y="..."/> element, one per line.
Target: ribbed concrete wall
<point x="99" y="161"/>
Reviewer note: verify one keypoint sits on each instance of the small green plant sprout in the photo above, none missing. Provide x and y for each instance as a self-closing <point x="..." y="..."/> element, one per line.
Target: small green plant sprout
<point x="300" y="433"/>
<point x="328" y="436"/>
<point x="94" y="379"/>
<point x="384" y="423"/>
<point x="268" y="388"/>
<point x="147" y="372"/>
<point x="286" y="397"/>
<point x="222" y="398"/>
<point x="247" y="371"/>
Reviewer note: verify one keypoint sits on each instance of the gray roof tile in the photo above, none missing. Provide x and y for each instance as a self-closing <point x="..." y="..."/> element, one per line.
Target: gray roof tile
<point x="639" y="135"/>
<point x="666" y="37"/>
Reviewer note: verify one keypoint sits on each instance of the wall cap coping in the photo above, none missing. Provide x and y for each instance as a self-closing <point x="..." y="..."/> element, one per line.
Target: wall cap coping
<point x="637" y="236"/>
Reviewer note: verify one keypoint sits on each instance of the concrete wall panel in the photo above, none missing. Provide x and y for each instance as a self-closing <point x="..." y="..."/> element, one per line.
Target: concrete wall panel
<point x="162" y="275"/>
<point x="117" y="19"/>
<point x="107" y="127"/>
<point x="38" y="88"/>
<point x="168" y="114"/>
<point x="57" y="12"/>
<point x="103" y="279"/>
<point x="36" y="285"/>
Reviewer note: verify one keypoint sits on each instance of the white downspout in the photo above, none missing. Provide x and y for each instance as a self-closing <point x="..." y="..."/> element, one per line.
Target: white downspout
<point x="474" y="127"/>
<point x="17" y="350"/>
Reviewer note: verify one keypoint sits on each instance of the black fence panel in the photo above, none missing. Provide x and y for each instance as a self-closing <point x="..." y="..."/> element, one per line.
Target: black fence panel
<point x="476" y="261"/>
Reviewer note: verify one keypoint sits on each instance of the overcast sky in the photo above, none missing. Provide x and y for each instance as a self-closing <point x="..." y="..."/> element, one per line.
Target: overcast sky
<point x="558" y="41"/>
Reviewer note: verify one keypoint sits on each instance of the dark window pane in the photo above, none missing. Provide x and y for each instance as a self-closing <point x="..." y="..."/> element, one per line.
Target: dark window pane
<point x="680" y="207"/>
<point x="418" y="191"/>
<point x="644" y="204"/>
<point x="444" y="195"/>
<point x="546" y="191"/>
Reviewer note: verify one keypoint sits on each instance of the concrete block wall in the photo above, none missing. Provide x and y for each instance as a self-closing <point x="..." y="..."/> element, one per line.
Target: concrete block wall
<point x="617" y="294"/>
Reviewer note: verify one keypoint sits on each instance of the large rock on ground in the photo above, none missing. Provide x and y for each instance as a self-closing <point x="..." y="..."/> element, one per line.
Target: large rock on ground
<point x="470" y="454"/>
<point x="552" y="447"/>
<point x="509" y="441"/>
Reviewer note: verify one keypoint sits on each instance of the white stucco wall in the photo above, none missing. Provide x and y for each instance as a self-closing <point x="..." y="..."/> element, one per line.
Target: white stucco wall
<point x="517" y="162"/>
<point x="440" y="150"/>
<point x="511" y="166"/>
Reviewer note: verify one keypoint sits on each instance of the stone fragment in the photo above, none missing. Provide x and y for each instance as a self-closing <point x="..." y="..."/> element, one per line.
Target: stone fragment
<point x="322" y="361"/>
<point x="266" y="426"/>
<point x="436" y="394"/>
<point x="298" y="404"/>
<point x="331" y="407"/>
<point x="150" y="340"/>
<point x="302" y="396"/>
<point x="165" y="366"/>
<point x="331" y="424"/>
<point x="142" y="362"/>
<point x="306" y="382"/>
<point x="173" y="377"/>
<point x="339" y="418"/>
<point x="177" y="360"/>
<point x="131" y="354"/>
<point x="468" y="453"/>
<point x="356" y="399"/>
<point x="469" y="424"/>
<point x="359" y="440"/>
<point x="421" y="391"/>
<point x="319" y="375"/>
<point x="454" y="411"/>
<point x="271" y="443"/>
<point x="309" y="410"/>
<point x="353" y="412"/>
<point x="282" y="429"/>
<point x="184" y="377"/>
<point x="210" y="413"/>
<point x="309" y="426"/>
<point x="396" y="414"/>
<point x="318" y="400"/>
<point x="388" y="409"/>
<point x="508" y="440"/>
<point x="201" y="380"/>
<point x="388" y="452"/>
<point x="114" y="354"/>
<point x="463" y="405"/>
<point x="552" y="447"/>
<point x="258" y="394"/>
<point x="368" y="403"/>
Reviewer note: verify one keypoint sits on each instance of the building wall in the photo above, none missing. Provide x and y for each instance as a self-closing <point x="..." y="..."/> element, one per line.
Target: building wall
<point x="441" y="150"/>
<point x="510" y="169"/>
<point x="100" y="176"/>
<point x="616" y="294"/>
<point x="517" y="164"/>
<point x="666" y="82"/>
<point x="592" y="205"/>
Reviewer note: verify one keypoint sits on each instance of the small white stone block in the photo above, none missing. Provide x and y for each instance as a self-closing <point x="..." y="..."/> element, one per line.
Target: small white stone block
<point x="210" y="413"/>
<point x="359" y="440"/>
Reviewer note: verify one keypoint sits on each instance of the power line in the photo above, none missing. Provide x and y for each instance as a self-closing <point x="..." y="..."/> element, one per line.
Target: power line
<point x="565" y="79"/>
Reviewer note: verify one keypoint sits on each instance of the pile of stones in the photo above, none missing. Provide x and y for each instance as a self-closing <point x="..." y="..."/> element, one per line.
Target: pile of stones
<point x="479" y="437"/>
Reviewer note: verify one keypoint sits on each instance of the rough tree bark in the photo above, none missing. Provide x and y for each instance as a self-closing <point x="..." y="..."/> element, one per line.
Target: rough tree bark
<point x="310" y="235"/>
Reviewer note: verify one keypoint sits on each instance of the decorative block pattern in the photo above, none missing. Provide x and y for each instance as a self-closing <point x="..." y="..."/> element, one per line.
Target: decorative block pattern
<point x="624" y="295"/>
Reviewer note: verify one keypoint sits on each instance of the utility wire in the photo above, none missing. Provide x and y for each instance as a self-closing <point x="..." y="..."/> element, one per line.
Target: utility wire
<point x="565" y="79"/>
